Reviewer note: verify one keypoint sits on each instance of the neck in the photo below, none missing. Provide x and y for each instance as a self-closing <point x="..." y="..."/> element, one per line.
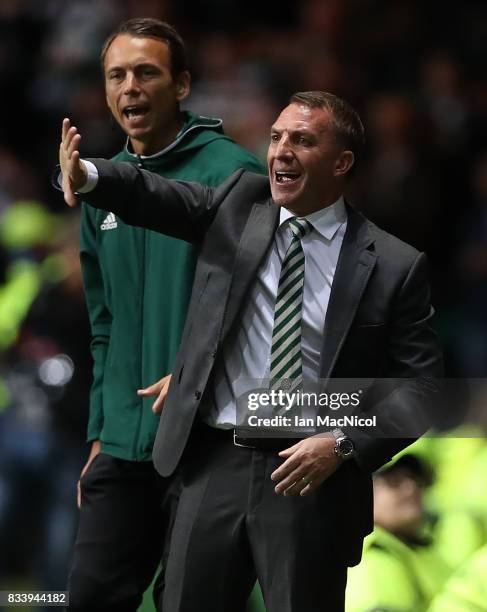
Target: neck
<point x="161" y="140"/>
<point x="304" y="210"/>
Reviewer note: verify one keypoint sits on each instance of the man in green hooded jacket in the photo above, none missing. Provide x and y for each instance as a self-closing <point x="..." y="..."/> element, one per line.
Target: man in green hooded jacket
<point x="137" y="285"/>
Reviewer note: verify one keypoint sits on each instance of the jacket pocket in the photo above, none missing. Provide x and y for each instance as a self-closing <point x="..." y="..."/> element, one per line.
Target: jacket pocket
<point x="368" y="325"/>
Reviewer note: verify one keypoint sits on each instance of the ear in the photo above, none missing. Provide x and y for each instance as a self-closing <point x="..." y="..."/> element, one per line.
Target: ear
<point x="344" y="162"/>
<point x="183" y="84"/>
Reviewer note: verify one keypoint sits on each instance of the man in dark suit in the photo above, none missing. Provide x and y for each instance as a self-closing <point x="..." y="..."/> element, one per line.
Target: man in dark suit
<point x="291" y="284"/>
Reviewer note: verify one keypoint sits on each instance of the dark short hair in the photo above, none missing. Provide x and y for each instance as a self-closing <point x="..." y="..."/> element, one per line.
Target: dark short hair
<point x="146" y="27"/>
<point x="415" y="466"/>
<point x="346" y="122"/>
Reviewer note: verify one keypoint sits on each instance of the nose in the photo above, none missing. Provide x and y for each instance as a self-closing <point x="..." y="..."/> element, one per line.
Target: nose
<point x="131" y="84"/>
<point x="283" y="148"/>
<point x="409" y="486"/>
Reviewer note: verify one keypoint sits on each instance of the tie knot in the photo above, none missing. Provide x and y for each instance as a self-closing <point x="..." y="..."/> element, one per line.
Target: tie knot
<point x="300" y="227"/>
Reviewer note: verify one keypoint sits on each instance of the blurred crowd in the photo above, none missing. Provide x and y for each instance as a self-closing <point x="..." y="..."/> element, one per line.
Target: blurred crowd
<point x="414" y="70"/>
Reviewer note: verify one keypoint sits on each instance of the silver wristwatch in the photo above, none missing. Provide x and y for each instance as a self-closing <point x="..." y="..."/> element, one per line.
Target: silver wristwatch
<point x="344" y="446"/>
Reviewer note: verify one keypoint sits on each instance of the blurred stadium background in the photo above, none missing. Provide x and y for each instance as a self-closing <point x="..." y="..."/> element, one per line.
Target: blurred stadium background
<point x="416" y="73"/>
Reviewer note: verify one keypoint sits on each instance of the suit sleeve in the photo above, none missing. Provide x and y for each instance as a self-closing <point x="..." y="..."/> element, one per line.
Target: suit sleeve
<point x="415" y="367"/>
<point x="180" y="209"/>
<point x="226" y="157"/>
<point x="100" y="318"/>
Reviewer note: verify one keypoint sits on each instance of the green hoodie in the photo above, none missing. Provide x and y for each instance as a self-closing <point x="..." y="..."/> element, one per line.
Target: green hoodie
<point x="138" y="284"/>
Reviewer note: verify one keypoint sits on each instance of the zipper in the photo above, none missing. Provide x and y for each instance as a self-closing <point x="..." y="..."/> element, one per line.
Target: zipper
<point x="135" y="448"/>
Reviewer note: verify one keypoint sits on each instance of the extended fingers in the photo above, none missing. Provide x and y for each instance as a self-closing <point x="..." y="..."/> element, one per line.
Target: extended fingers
<point x="65" y="127"/>
<point x="156" y="387"/>
<point x="306" y="469"/>
<point x="149" y="391"/>
<point x="315" y="479"/>
<point x="299" y="487"/>
<point x="310" y="486"/>
<point x="70" y="141"/>
<point x="287" y="452"/>
<point x="306" y="481"/>
<point x="288" y="473"/>
<point x="160" y="389"/>
<point x="67" y="133"/>
<point x="293" y="482"/>
<point x="158" y="405"/>
<point x="286" y="468"/>
<point x="74" y="146"/>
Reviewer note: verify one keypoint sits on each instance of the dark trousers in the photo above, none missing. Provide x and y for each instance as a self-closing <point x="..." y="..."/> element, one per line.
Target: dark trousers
<point x="125" y="516"/>
<point x="232" y="528"/>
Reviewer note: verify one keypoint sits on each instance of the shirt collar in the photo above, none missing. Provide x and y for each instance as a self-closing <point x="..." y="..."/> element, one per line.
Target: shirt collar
<point x="325" y="221"/>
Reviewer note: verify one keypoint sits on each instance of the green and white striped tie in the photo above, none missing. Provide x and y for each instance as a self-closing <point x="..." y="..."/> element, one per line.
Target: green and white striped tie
<point x="286" y="363"/>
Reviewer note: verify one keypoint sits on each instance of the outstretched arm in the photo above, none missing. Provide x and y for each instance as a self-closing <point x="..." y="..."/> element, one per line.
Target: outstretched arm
<point x="178" y="208"/>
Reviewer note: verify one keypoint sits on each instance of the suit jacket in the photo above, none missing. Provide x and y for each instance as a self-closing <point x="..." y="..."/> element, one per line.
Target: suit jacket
<point x="378" y="322"/>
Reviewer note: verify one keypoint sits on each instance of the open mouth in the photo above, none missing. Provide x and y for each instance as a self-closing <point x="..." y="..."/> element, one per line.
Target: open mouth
<point x="284" y="178"/>
<point x="135" y="112"/>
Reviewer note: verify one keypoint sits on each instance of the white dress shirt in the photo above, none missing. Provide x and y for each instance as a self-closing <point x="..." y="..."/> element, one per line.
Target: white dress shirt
<point x="246" y="356"/>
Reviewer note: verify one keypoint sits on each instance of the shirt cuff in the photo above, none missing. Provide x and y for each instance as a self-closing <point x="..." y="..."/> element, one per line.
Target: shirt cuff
<point x="92" y="177"/>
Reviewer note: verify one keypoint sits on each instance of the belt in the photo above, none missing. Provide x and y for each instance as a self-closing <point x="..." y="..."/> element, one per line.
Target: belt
<point x="203" y="430"/>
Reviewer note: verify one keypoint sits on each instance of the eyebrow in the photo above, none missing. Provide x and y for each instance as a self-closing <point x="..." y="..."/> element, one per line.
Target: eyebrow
<point x="296" y="132"/>
<point x="136" y="64"/>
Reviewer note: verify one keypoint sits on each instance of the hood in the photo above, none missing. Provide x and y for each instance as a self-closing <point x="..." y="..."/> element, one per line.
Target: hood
<point x="196" y="132"/>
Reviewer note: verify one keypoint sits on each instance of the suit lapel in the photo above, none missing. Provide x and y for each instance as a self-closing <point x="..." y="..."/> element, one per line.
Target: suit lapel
<point x="254" y="243"/>
<point x="355" y="264"/>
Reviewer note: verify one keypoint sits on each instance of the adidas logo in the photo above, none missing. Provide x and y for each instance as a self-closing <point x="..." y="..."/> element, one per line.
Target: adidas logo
<point x="109" y="223"/>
